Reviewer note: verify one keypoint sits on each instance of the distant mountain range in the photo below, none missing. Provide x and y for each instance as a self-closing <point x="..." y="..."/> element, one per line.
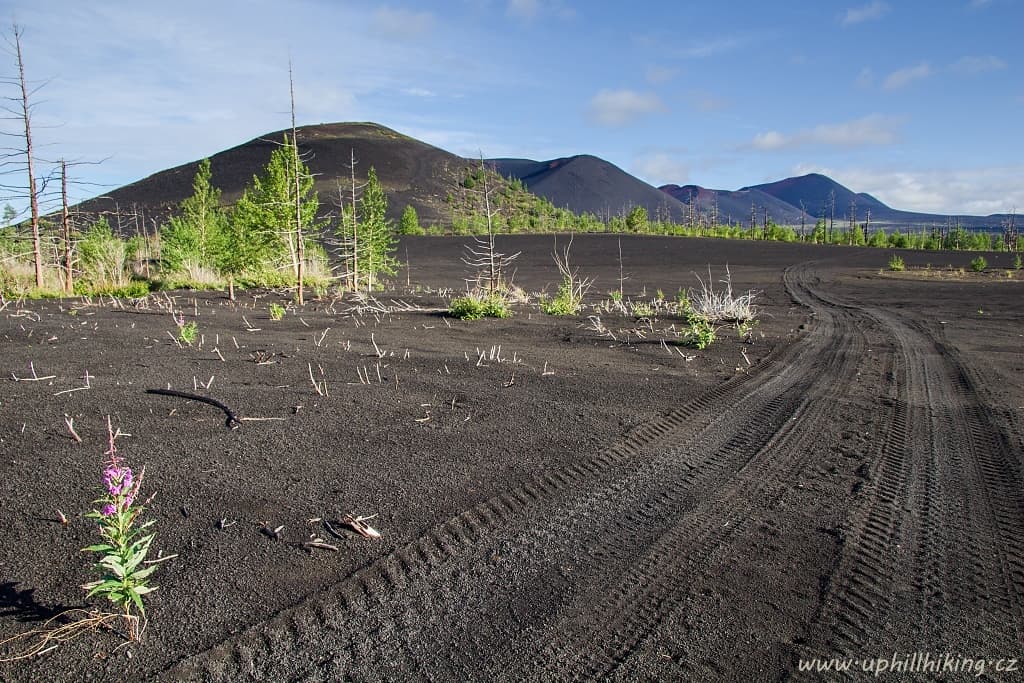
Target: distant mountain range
<point x="418" y="174"/>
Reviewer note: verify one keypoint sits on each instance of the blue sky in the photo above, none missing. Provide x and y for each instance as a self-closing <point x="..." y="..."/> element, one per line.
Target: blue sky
<point x="917" y="103"/>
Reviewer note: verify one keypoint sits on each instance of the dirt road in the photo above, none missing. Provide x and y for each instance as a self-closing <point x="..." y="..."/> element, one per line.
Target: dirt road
<point x="711" y="542"/>
<point x="556" y="503"/>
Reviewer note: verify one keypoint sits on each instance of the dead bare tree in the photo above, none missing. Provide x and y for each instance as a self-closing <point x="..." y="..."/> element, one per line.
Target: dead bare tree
<point x="1010" y="231"/>
<point x="348" y="240"/>
<point x="300" y="251"/>
<point x="65" y="230"/>
<point x="853" y="217"/>
<point x="20" y="110"/>
<point x="832" y="215"/>
<point x="803" y="220"/>
<point x="483" y="256"/>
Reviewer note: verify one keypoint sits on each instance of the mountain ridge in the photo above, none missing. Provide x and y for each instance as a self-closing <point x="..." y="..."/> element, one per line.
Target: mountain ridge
<point x="416" y="173"/>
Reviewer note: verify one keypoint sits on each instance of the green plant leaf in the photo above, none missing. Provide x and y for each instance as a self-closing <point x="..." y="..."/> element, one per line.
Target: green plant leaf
<point x="144" y="572"/>
<point x="98" y="548"/>
<point x="137" y="599"/>
<point x="114" y="564"/>
<point x="108" y="587"/>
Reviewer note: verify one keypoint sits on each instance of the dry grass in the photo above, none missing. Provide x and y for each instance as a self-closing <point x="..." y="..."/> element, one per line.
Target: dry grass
<point x="723" y="305"/>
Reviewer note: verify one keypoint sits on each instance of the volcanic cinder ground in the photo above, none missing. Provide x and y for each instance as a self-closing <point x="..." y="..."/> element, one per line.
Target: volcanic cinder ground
<point x="554" y="502"/>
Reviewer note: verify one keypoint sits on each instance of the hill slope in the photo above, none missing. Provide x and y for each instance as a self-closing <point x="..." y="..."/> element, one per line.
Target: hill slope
<point x="588" y="184"/>
<point x="815" y="190"/>
<point x="734" y="206"/>
<point x="411" y="171"/>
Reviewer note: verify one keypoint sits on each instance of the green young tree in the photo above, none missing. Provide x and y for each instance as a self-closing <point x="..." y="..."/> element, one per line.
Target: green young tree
<point x="377" y="237"/>
<point x="637" y="219"/>
<point x="246" y="243"/>
<point x="191" y="240"/>
<point x="409" y="224"/>
<point x="269" y="205"/>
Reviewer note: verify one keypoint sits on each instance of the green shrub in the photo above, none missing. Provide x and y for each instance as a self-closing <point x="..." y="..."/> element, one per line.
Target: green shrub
<point x="473" y="307"/>
<point x="642" y="309"/>
<point x="568" y="301"/>
<point x="700" y="334"/>
<point x="979" y="264"/>
<point x="896" y="263"/>
<point x="132" y="290"/>
<point x="1017" y="263"/>
<point x="276" y="311"/>
<point x="683" y="301"/>
<point x="188" y="333"/>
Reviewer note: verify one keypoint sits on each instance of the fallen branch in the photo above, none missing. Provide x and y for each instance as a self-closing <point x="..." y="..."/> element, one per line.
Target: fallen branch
<point x="48" y="638"/>
<point x="70" y="422"/>
<point x="359" y="525"/>
<point x="34" y="377"/>
<point x="232" y="421"/>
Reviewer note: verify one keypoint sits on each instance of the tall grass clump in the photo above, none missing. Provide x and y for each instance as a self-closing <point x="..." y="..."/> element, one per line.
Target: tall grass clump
<point x="571" y="290"/>
<point x="722" y="305"/>
<point x="896" y="263"/>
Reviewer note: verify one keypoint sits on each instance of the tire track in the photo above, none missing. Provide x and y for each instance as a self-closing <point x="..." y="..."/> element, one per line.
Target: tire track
<point x="643" y="590"/>
<point x="573" y="571"/>
<point x="642" y="517"/>
<point x="933" y="557"/>
<point x="298" y="637"/>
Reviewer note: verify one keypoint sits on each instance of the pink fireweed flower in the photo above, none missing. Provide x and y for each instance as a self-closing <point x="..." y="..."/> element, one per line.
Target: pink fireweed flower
<point x="118" y="480"/>
<point x="108" y="510"/>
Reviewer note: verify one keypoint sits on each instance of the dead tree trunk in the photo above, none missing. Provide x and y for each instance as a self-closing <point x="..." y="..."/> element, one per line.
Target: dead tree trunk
<point x="65" y="228"/>
<point x="300" y="251"/>
<point x="33" y="196"/>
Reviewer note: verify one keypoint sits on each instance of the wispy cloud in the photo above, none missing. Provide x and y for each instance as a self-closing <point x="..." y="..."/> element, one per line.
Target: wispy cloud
<point x="869" y="12"/>
<point x="528" y="10"/>
<point x="972" y="65"/>
<point x="907" y="75"/>
<point x="402" y="23"/>
<point x="524" y="9"/>
<point x="418" y="92"/>
<point x="980" y="4"/>
<point x="869" y="130"/>
<point x="657" y="75"/>
<point x="969" y="191"/>
<point x="661" y="168"/>
<point x="710" y="48"/>
<point x="619" y="107"/>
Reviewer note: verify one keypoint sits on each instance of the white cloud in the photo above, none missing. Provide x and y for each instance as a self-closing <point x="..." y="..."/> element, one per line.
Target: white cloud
<point x="972" y="65"/>
<point x="619" y="107"/>
<point x="903" y="77"/>
<point x="869" y="12"/>
<point x="662" y="168"/>
<point x="869" y="130"/>
<point x="419" y="92"/>
<point x="402" y="24"/>
<point x="960" y="191"/>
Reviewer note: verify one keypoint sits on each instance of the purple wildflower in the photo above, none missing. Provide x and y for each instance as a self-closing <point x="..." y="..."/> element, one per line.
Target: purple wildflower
<point x="108" y="510"/>
<point x="118" y="480"/>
